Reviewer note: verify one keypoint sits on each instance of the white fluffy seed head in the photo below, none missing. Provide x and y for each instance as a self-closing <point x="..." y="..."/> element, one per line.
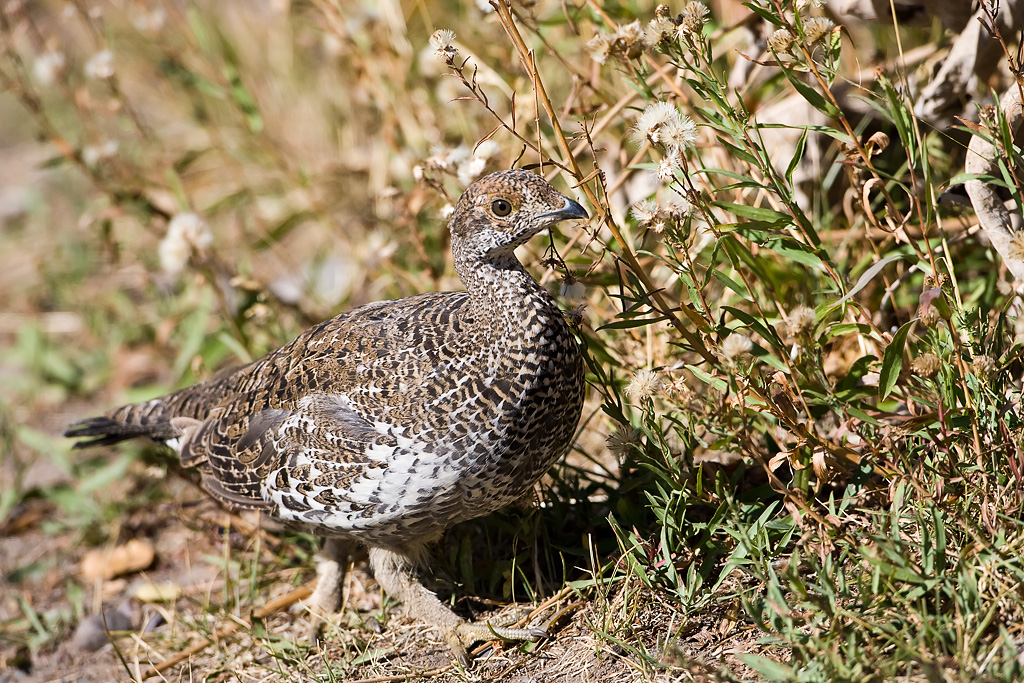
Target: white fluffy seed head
<point x="645" y="384"/>
<point x="736" y="346"/>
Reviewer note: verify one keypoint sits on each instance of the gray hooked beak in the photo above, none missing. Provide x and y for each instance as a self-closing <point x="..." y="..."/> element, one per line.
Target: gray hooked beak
<point x="570" y="210"/>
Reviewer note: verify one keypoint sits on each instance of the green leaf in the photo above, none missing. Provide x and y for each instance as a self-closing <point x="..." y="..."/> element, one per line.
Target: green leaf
<point x="731" y="284"/>
<point x="764" y="13"/>
<point x="769" y="668"/>
<point x="812" y="96"/>
<point x="892" y="361"/>
<point x="798" y="156"/>
<point x="866" y="278"/>
<point x="796" y="251"/>
<point x="755" y="213"/>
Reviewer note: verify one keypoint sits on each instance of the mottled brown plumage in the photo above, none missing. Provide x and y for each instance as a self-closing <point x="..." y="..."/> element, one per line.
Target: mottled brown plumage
<point x="390" y="423"/>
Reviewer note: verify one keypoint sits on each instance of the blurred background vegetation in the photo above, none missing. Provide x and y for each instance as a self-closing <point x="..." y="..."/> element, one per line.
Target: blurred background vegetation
<point x="802" y="455"/>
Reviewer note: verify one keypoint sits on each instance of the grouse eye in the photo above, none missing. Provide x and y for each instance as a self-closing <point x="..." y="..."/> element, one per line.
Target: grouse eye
<point x="501" y="207"/>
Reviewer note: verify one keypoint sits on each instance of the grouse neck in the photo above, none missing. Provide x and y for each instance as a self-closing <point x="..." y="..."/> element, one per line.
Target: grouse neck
<point x="502" y="291"/>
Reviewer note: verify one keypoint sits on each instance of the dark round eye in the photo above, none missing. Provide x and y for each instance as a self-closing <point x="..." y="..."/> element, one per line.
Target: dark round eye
<point x="501" y="207"/>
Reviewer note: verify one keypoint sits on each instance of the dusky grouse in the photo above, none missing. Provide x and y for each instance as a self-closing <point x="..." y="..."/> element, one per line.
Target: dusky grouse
<point x="389" y="423"/>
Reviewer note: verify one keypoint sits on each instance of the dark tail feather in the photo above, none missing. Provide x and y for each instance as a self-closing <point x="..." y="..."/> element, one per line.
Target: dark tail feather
<point x="100" y="431"/>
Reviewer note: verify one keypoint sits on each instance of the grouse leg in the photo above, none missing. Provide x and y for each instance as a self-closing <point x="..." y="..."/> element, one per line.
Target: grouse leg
<point x="394" y="572"/>
<point x="330" y="572"/>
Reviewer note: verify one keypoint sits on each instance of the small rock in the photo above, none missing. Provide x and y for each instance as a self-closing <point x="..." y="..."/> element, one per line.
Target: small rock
<point x="133" y="556"/>
<point x="152" y="592"/>
<point x="92" y="634"/>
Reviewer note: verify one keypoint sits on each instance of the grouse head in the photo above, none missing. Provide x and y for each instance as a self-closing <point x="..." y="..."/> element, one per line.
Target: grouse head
<point x="503" y="210"/>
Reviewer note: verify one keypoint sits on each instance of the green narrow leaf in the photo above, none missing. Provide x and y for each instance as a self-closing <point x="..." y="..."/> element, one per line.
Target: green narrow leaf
<point x="892" y="361"/>
<point x="773" y="671"/>
<point x="754" y="213"/>
<point x="731" y="284"/>
<point x="866" y="278"/>
<point x="796" y="251"/>
<point x="812" y="96"/>
<point x="798" y="156"/>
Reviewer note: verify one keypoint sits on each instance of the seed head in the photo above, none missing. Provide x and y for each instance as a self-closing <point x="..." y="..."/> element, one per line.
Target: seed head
<point x="677" y="207"/>
<point x="929" y="315"/>
<point x="695" y="14"/>
<point x="186" y="233"/>
<point x="800" y="324"/>
<point x="983" y="366"/>
<point x="645" y="212"/>
<point x="624" y="440"/>
<point x="100" y="65"/>
<point x="599" y="47"/>
<point x="658" y="30"/>
<point x="667" y="167"/>
<point x="817" y="28"/>
<point x="92" y="155"/>
<point x="631" y="35"/>
<point x="781" y="41"/>
<point x="47" y="67"/>
<point x="736" y="346"/>
<point x="442" y="41"/>
<point x="572" y="288"/>
<point x="644" y="385"/>
<point x="662" y="124"/>
<point x="926" y="365"/>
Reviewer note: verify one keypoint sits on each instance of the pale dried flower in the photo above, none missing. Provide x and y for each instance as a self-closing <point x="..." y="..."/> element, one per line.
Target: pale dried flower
<point x="630" y="34"/>
<point x="735" y="346"/>
<point x="94" y="154"/>
<point x="472" y="164"/>
<point x="644" y="385"/>
<point x="983" y="366"/>
<point x="186" y="233"/>
<point x="572" y="288"/>
<point x="695" y="14"/>
<point x="442" y="41"/>
<point x="781" y="41"/>
<point x="471" y="168"/>
<point x="648" y="125"/>
<point x="666" y="171"/>
<point x="679" y="390"/>
<point x="1015" y="249"/>
<point x="150" y="20"/>
<point x="446" y="211"/>
<point x="927" y="365"/>
<point x="47" y="67"/>
<point x="623" y="441"/>
<point x="677" y="207"/>
<point x="929" y="316"/>
<point x="817" y="28"/>
<point x="658" y="30"/>
<point x="678" y="132"/>
<point x="100" y="65"/>
<point x="599" y="47"/>
<point x="645" y="211"/>
<point x="800" y="323"/>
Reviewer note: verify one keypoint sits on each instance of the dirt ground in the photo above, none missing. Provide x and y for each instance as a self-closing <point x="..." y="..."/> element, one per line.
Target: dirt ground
<point x="224" y="569"/>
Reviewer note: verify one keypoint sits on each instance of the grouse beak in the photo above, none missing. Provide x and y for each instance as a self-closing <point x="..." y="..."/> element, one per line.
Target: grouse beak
<point x="570" y="210"/>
